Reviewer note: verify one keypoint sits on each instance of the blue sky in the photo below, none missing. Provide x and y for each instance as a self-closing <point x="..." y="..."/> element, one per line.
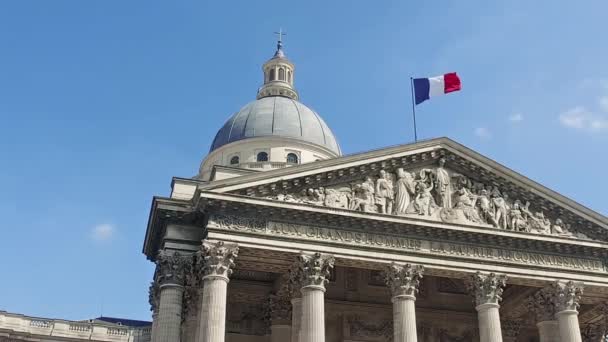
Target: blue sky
<point x="102" y="102"/>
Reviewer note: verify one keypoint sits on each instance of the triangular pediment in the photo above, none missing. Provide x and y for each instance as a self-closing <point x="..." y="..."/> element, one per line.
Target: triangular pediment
<point x="435" y="180"/>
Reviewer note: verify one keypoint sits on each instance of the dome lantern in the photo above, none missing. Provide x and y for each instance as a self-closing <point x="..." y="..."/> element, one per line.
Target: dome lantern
<point x="278" y="74"/>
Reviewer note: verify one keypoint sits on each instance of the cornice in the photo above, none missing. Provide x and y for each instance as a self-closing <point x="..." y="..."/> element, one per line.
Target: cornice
<point x="165" y="210"/>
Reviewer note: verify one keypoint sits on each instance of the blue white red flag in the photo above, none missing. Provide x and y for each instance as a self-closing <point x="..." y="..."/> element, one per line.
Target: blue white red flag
<point x="425" y="88"/>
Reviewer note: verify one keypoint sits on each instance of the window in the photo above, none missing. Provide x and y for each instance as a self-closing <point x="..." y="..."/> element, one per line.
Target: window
<point x="288" y="76"/>
<point x="234" y="160"/>
<point x="262" y="157"/>
<point x="282" y="74"/>
<point x="292" y="158"/>
<point x="271" y="77"/>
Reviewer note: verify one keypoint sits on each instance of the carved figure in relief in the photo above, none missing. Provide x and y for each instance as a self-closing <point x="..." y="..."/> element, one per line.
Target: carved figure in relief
<point x="431" y="191"/>
<point x="335" y="198"/>
<point x="404" y="189"/>
<point x="384" y="193"/>
<point x="500" y="209"/>
<point x="518" y="215"/>
<point x="559" y="228"/>
<point x="539" y="224"/>
<point x="485" y="206"/>
<point x="443" y="186"/>
<point x="423" y="203"/>
<point x="362" y="198"/>
<point x="466" y="201"/>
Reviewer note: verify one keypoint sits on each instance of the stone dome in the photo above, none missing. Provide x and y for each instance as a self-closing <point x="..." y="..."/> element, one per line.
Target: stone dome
<point x="277" y="116"/>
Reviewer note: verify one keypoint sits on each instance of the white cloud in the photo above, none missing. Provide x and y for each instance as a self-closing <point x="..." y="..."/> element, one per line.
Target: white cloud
<point x="103" y="232"/>
<point x="482" y="133"/>
<point x="516" y="118"/>
<point x="582" y="119"/>
<point x="604" y="103"/>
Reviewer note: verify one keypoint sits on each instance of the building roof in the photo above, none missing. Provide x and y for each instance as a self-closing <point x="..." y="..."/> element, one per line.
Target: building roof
<point x="125" y="322"/>
<point x="277" y="116"/>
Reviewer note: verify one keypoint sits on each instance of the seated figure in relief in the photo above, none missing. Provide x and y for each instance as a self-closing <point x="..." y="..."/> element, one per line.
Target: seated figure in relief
<point x="362" y="197"/>
<point x="423" y="203"/>
<point x="467" y="202"/>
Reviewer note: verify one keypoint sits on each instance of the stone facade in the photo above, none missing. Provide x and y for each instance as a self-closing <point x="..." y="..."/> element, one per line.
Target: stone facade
<point x="17" y="328"/>
<point x="336" y="251"/>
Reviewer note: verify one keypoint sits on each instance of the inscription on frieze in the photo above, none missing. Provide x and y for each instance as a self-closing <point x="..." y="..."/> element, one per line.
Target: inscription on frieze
<point x="400" y="243"/>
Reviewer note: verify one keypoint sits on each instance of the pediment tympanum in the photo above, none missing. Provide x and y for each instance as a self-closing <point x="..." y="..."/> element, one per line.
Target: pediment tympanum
<point x="434" y="193"/>
<point x="437" y="180"/>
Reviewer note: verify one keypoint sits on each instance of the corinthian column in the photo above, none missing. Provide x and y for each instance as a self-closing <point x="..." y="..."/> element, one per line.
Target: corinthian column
<point x="171" y="270"/>
<point x="315" y="270"/>
<point x="541" y="304"/>
<point x="487" y="290"/>
<point x="403" y="281"/>
<point x="153" y="299"/>
<point x="214" y="263"/>
<point x="566" y="297"/>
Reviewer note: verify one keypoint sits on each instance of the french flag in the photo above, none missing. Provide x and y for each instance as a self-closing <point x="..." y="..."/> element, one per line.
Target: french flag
<point x="425" y="88"/>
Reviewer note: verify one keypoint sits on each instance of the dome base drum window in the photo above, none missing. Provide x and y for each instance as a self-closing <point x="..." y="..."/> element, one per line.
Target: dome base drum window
<point x="292" y="158"/>
<point x="262" y="157"/>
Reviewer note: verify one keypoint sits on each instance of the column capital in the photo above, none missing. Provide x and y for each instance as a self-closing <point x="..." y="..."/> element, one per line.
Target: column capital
<point x="403" y="280"/>
<point x="487" y="288"/>
<point x="541" y="304"/>
<point x="171" y="268"/>
<point x="216" y="259"/>
<point x="315" y="269"/>
<point x="566" y="295"/>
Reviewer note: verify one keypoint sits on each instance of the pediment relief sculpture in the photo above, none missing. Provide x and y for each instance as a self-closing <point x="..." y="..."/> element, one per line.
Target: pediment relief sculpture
<point x="435" y="193"/>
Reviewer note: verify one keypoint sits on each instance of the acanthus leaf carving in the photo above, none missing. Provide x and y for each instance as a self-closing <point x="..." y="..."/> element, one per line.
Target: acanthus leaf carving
<point x="566" y="295"/>
<point x="315" y="269"/>
<point x="403" y="280"/>
<point x="172" y="267"/>
<point x="487" y="288"/>
<point x="216" y="259"/>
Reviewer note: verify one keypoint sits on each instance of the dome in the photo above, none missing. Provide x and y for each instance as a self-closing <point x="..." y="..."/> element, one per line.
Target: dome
<point x="277" y="116"/>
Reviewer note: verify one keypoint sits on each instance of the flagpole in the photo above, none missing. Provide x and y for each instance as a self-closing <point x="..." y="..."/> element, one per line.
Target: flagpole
<point x="413" y="109"/>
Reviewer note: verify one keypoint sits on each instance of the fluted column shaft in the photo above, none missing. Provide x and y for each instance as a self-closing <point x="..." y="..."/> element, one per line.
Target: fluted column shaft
<point x="154" y="326"/>
<point x="313" y="314"/>
<point x="489" y="322"/>
<point x="296" y="319"/>
<point x="403" y="282"/>
<point x="487" y="290"/>
<point x="171" y="268"/>
<point x="548" y="331"/>
<point x="214" y="263"/>
<point x="313" y="274"/>
<point x="569" y="329"/>
<point x="169" y="313"/>
<point x="212" y="325"/>
<point x="404" y="319"/>
<point x="566" y="297"/>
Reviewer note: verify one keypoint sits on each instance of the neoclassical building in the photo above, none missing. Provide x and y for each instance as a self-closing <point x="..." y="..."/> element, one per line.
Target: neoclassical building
<point x="281" y="238"/>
